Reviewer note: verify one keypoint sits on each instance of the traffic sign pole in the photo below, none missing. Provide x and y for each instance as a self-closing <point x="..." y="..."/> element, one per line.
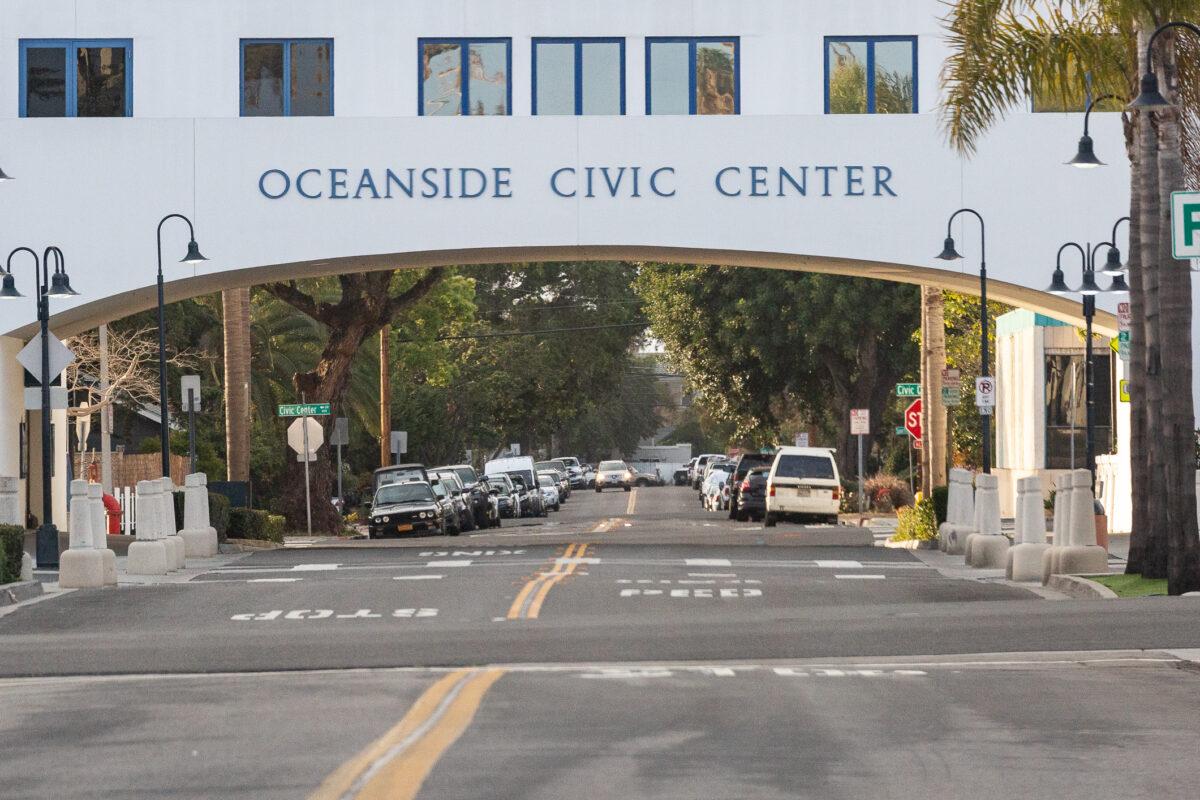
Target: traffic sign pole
<point x="307" y="485"/>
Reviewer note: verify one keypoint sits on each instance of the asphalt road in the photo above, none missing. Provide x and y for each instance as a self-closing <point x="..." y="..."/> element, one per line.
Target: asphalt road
<point x="631" y="645"/>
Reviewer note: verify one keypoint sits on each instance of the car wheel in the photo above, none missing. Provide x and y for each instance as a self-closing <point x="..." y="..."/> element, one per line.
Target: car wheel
<point x="557" y="506"/>
<point x="628" y="488"/>
<point x="832" y="519"/>
<point x="770" y="520"/>
<point x="740" y="516"/>
<point x="497" y="523"/>
<point x="597" y="490"/>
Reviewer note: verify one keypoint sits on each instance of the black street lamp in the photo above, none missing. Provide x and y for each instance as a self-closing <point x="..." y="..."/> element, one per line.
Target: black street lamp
<point x="949" y="253"/>
<point x="1085" y="155"/>
<point x="55" y="285"/>
<point x="3" y="177"/>
<point x="1112" y="262"/>
<point x="193" y="257"/>
<point x="1150" y="99"/>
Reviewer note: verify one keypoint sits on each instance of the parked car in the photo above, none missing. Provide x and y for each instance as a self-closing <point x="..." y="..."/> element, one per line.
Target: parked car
<point x="401" y="508"/>
<point x="680" y="478"/>
<point x="561" y="478"/>
<point x="398" y="473"/>
<point x="508" y="499"/>
<point x="698" y="468"/>
<point x="751" y="502"/>
<point x="452" y="523"/>
<point x="644" y="478"/>
<point x="480" y="501"/>
<point x="745" y="463"/>
<point x="521" y="470"/>
<point x="711" y="465"/>
<point x="613" y="475"/>
<point x="461" y="494"/>
<point x="714" y="493"/>
<point x="492" y="495"/>
<point x="574" y="471"/>
<point x="548" y="483"/>
<point x="804" y="482"/>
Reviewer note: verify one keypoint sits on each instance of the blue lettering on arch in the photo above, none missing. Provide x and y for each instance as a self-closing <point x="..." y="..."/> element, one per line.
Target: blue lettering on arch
<point x="262" y="184"/>
<point x="720" y="187"/>
<point x="654" y="181"/>
<point x="300" y="185"/>
<point x="554" y="181"/>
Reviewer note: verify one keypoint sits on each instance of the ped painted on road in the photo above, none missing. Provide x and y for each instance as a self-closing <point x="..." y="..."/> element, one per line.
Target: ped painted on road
<point x="700" y="594"/>
<point x="326" y="613"/>
<point x="528" y="602"/>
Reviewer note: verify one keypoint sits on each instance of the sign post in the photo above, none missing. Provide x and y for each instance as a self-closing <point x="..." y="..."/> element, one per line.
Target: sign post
<point x="340" y="438"/>
<point x="305" y="435"/>
<point x="189" y="389"/>
<point x="860" y="426"/>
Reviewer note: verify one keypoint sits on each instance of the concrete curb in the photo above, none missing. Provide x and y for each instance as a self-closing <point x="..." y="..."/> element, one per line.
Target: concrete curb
<point x="13" y="593"/>
<point x="1080" y="587"/>
<point x="247" y="545"/>
<point x="912" y="544"/>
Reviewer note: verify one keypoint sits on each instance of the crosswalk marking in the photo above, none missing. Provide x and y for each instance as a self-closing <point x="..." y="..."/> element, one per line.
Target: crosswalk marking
<point x="839" y="564"/>
<point x="440" y="564"/>
<point x="707" y="562"/>
<point x="861" y="577"/>
<point x="314" y="567"/>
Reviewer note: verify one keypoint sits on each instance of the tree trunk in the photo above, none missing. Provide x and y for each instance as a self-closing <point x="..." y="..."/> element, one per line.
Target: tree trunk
<point x="1136" y="372"/>
<point x="235" y="312"/>
<point x="1178" y="416"/>
<point x="933" y="413"/>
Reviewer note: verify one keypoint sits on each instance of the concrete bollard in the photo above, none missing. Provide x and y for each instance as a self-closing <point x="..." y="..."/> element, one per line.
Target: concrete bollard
<point x="95" y="493"/>
<point x="959" y="481"/>
<point x="955" y="531"/>
<point x="988" y="547"/>
<point x="81" y="566"/>
<point x="148" y="555"/>
<point x="198" y="536"/>
<point x="1083" y="556"/>
<point x="170" y="535"/>
<point x="1024" y="560"/>
<point x="1062" y="524"/>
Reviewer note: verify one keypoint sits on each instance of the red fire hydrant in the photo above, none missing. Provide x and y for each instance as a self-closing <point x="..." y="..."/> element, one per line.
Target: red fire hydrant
<point x="113" y="510"/>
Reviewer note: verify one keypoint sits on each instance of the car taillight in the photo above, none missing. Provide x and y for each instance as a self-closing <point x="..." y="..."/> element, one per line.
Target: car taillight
<point x="771" y="490"/>
<point x="837" y="493"/>
<point x="745" y="487"/>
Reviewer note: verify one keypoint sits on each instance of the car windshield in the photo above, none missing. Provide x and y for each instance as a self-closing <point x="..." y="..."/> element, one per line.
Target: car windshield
<point x="404" y="493"/>
<point x="612" y="466"/>
<point x="439" y="489"/>
<point x="517" y="478"/>
<point x="451" y="480"/>
<point x="798" y="466"/>
<point x="466" y="475"/>
<point x="545" y="480"/>
<point x="399" y="476"/>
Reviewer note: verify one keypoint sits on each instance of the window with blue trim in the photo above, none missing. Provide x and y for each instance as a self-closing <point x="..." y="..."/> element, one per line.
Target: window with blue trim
<point x="578" y="76"/>
<point x="870" y="75"/>
<point x="692" y="75"/>
<point x="464" y="77"/>
<point x="287" y="78"/>
<point x="76" y="78"/>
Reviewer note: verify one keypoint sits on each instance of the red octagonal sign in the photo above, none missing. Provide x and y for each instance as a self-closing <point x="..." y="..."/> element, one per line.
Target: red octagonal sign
<point x="912" y="419"/>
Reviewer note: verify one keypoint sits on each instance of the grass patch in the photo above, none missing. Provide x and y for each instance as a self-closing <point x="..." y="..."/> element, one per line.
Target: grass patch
<point x="1132" y="585"/>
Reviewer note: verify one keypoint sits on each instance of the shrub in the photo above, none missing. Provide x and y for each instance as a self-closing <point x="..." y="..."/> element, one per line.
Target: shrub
<point x="247" y="523"/>
<point x="12" y="547"/>
<point x="218" y="514"/>
<point x="887" y="492"/>
<point x="916" y="523"/>
<point x="941" y="497"/>
<point x="273" y="530"/>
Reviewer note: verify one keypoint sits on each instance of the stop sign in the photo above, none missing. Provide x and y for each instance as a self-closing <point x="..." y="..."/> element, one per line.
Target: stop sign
<point x="912" y="419"/>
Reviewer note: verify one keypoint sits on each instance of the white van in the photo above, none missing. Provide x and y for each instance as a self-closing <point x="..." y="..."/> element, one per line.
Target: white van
<point x="804" y="481"/>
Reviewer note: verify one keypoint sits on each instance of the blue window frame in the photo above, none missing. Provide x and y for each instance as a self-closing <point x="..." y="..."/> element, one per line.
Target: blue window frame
<point x="693" y="75"/>
<point x="597" y="80"/>
<point x="286" y="77"/>
<point x="444" y="62"/>
<point x="76" y="78"/>
<point x="888" y="82"/>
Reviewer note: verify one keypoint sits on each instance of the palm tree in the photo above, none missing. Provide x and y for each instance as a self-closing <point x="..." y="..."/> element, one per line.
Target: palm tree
<point x="999" y="49"/>
<point x="235" y="313"/>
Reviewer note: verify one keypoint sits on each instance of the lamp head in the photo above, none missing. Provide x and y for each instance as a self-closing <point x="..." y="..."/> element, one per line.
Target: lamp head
<point x="1085" y="156"/>
<point x="193" y="254"/>
<point x="1058" y="285"/>
<point x="8" y="290"/>
<point x="1112" y="264"/>
<point x="1118" y="286"/>
<point x="1089" y="285"/>
<point x="60" y="286"/>
<point x="5" y="178"/>
<point x="948" y="252"/>
<point x="1149" y="99"/>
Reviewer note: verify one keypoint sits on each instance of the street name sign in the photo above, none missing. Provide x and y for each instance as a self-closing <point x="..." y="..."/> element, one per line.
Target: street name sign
<point x="305" y="410"/>
<point x="1185" y="225"/>
<point x="912" y="419"/>
<point x="908" y="390"/>
<point x="901" y="430"/>
<point x="860" y="421"/>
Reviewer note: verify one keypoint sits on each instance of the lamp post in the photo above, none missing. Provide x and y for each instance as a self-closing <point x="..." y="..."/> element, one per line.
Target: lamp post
<point x="1085" y="154"/>
<point x="47" y="285"/>
<point x="3" y="177"/>
<point x="949" y="253"/>
<point x="1150" y="98"/>
<point x="193" y="257"/>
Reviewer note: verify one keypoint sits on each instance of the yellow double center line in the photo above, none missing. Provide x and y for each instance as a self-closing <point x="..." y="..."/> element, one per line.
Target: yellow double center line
<point x="528" y="602"/>
<point x="394" y="766"/>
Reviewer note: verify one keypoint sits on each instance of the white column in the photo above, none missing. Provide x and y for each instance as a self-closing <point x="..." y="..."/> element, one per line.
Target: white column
<point x="82" y="565"/>
<point x="12" y="413"/>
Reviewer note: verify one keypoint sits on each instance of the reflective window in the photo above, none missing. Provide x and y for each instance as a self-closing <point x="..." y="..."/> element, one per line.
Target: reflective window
<point x="76" y="78"/>
<point x="287" y="77"/>
<point x="486" y="65"/>
<point x="692" y="76"/>
<point x="1066" y="409"/>
<point x="578" y="76"/>
<point x="871" y="75"/>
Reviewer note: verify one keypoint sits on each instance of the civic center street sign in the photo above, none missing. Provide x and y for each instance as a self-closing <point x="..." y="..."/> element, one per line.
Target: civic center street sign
<point x="908" y="390"/>
<point x="305" y="410"/>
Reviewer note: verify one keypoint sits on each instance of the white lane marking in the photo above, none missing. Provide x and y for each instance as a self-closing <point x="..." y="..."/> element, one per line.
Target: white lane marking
<point x="792" y="672"/>
<point x="712" y="574"/>
<point x="584" y="560"/>
<point x="464" y="563"/>
<point x="697" y="593"/>
<point x="861" y="577"/>
<point x="839" y="564"/>
<point x="314" y="567"/>
<point x="707" y="562"/>
<point x="274" y="580"/>
<point x="418" y="577"/>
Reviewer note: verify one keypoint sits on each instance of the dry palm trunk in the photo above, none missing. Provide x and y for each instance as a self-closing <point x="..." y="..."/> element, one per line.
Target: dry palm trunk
<point x="1176" y="435"/>
<point x="235" y="312"/>
<point x="1138" y="465"/>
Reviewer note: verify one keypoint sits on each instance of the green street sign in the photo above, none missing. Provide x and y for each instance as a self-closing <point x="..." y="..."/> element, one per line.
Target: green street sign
<point x="908" y="390"/>
<point x="305" y="410"/>
<point x="901" y="431"/>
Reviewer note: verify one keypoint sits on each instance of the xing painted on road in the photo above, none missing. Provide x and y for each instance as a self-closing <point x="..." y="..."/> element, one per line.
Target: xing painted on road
<point x="395" y="766"/>
<point x="632" y="502"/>
<point x="528" y="602"/>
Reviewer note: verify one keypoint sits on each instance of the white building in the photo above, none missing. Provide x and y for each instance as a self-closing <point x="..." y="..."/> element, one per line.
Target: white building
<point x="306" y="137"/>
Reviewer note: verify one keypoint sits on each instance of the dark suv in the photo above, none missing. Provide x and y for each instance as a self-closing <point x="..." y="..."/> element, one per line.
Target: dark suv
<point x="480" y="502"/>
<point x="745" y="463"/>
<point x="752" y="496"/>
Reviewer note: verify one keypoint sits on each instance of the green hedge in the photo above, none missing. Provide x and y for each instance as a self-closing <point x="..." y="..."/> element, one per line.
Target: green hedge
<point x="916" y="522"/>
<point x="12" y="546"/>
<point x="218" y="514"/>
<point x="247" y="523"/>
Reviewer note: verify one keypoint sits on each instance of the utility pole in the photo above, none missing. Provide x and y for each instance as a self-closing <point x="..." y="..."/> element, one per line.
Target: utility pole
<point x="385" y="396"/>
<point x="106" y="477"/>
